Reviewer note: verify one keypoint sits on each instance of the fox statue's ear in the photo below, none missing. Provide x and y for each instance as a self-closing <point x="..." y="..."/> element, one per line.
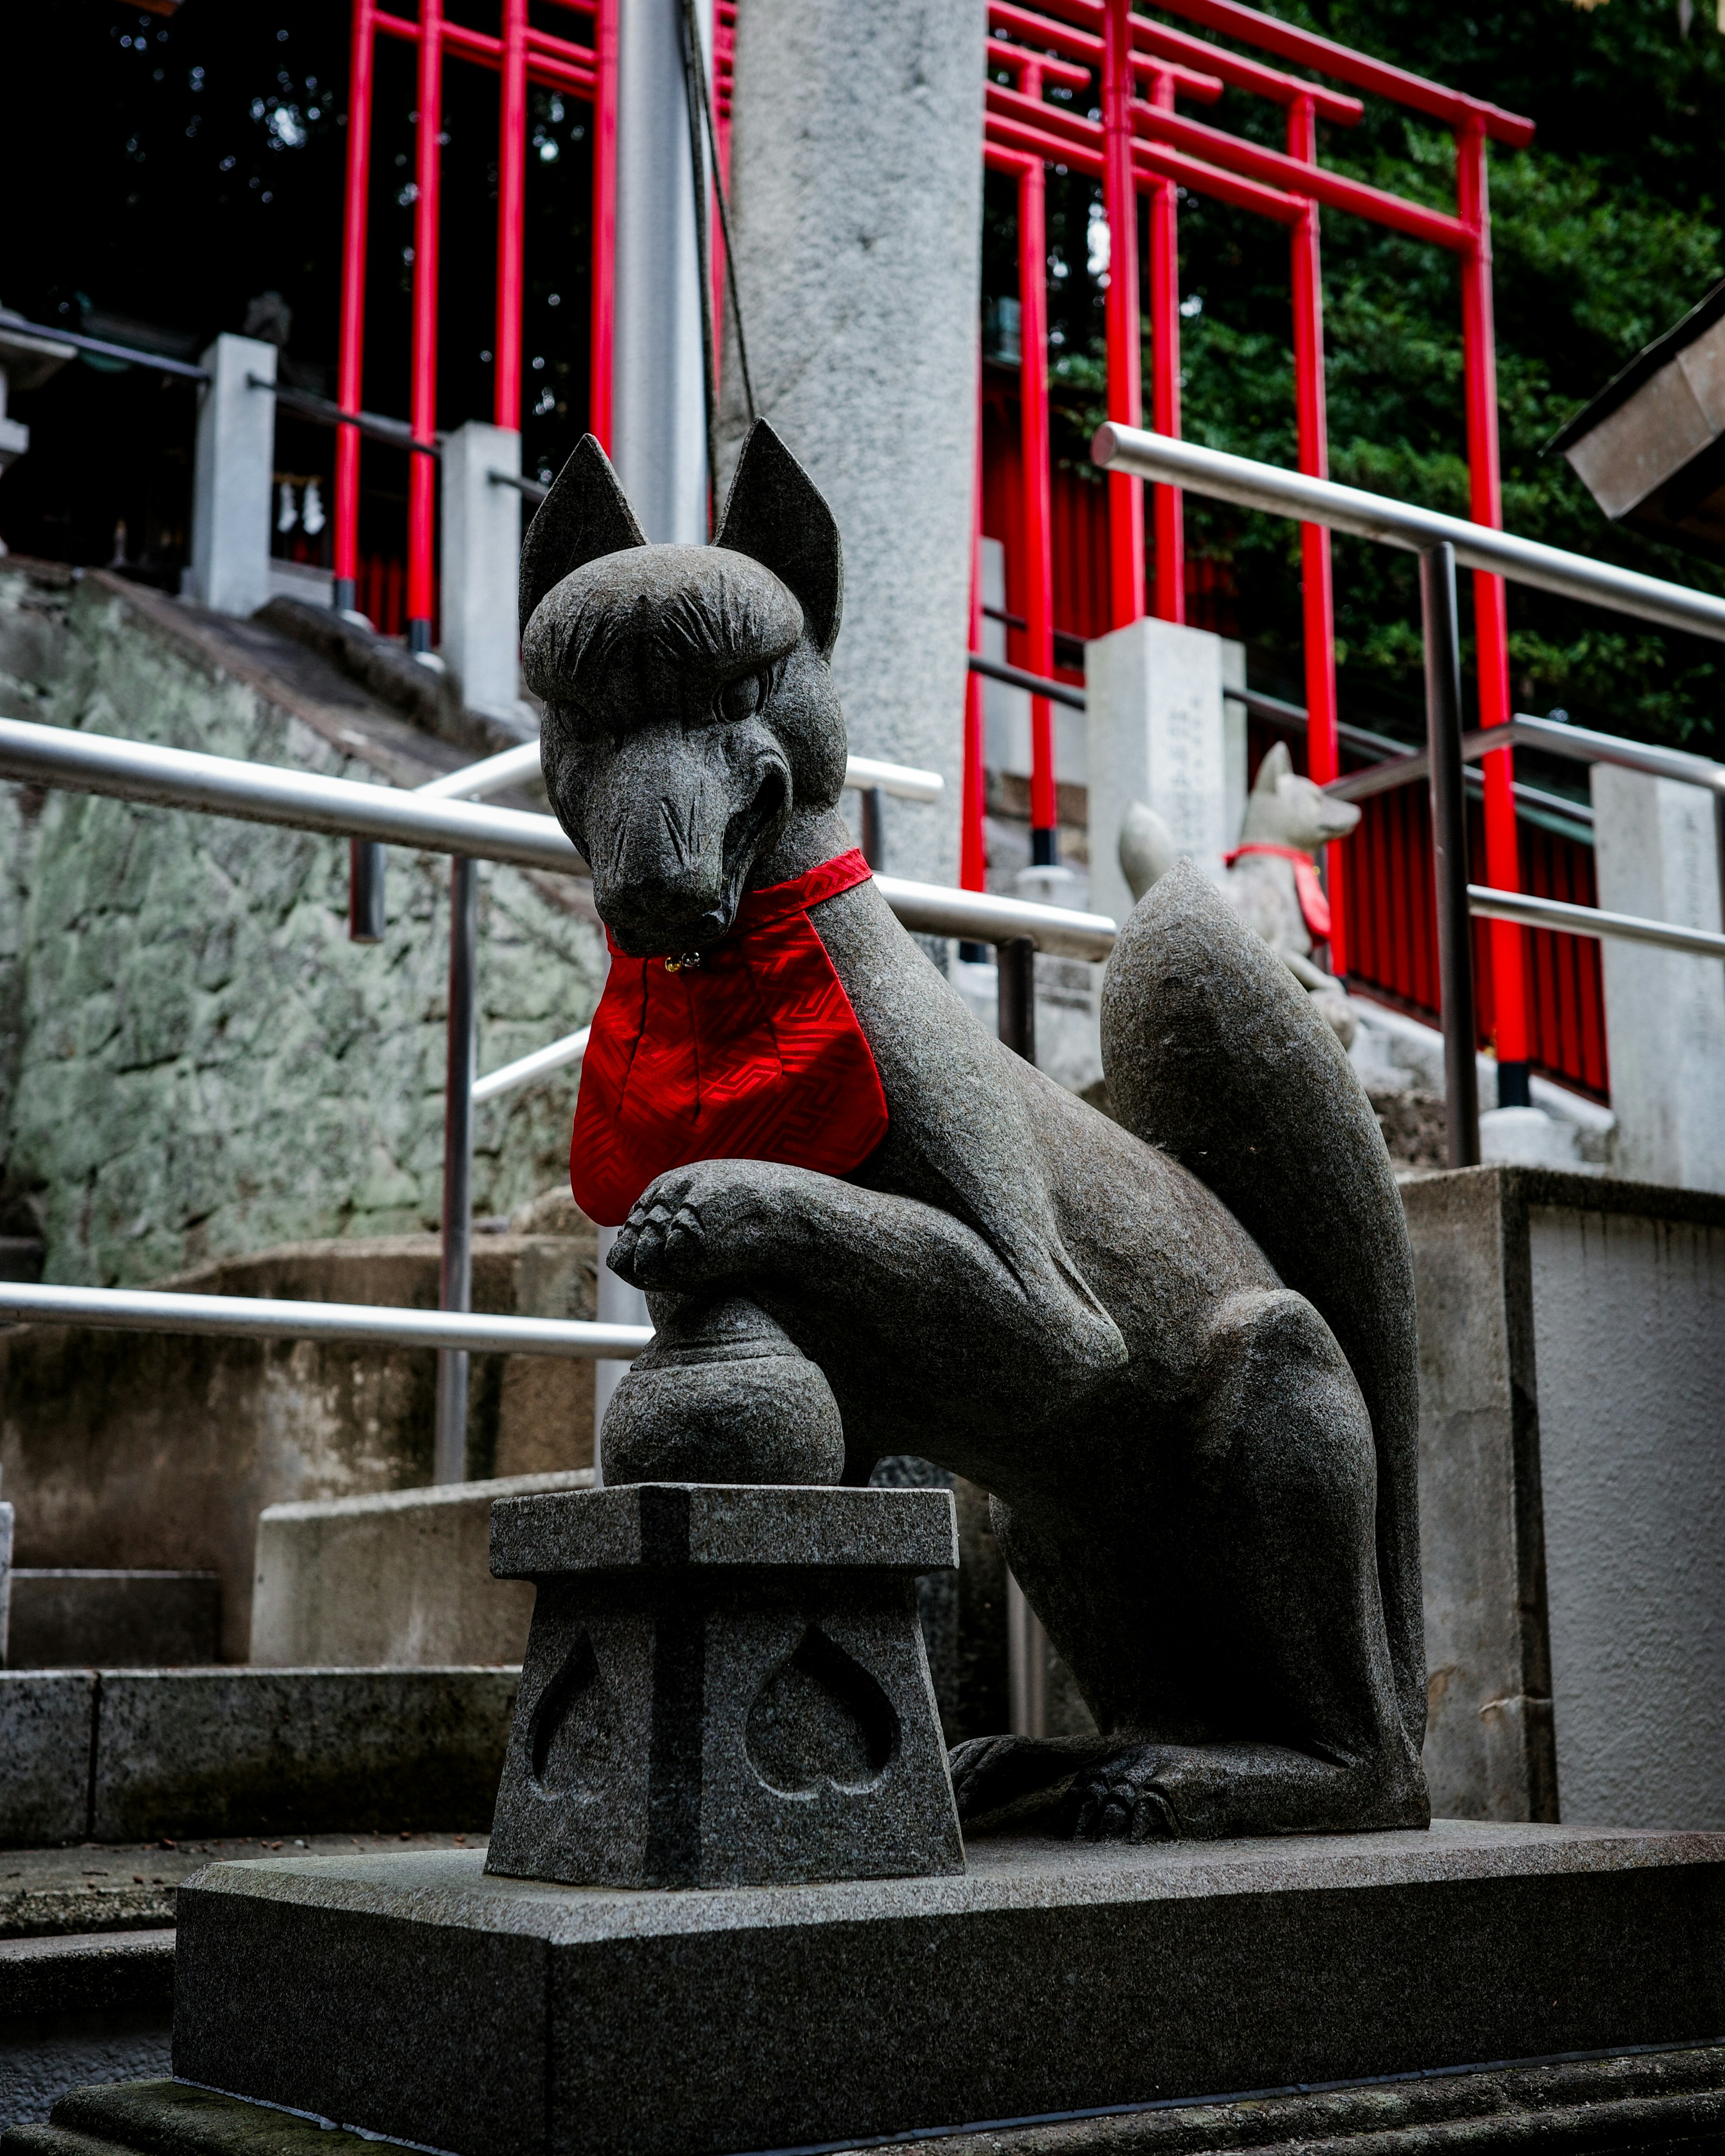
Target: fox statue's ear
<point x="586" y="514"/>
<point x="775" y="515"/>
<point x="1277" y="765"/>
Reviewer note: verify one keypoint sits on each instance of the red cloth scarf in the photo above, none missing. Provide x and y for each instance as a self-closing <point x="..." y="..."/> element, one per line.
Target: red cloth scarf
<point x="753" y="1053"/>
<point x="1314" y="907"/>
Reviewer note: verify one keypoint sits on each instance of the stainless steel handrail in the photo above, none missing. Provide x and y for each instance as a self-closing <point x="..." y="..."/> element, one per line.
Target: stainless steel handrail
<point x="260" y="1317"/>
<point x="1571" y="919"/>
<point x="1255" y="486"/>
<point x="1580" y="744"/>
<point x="345" y="808"/>
<point x="265" y="793"/>
<point x="557" y="1055"/>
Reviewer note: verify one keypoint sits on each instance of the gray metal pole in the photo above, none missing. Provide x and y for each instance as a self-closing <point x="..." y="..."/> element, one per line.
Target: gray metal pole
<point x="1026" y="1641"/>
<point x="1015" y="964"/>
<point x="1449" y="832"/>
<point x="368" y="916"/>
<point x="874" y="827"/>
<point x="456" y="1282"/>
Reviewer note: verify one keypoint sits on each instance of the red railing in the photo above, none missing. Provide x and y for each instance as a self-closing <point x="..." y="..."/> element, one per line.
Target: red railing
<point x="1134" y="71"/>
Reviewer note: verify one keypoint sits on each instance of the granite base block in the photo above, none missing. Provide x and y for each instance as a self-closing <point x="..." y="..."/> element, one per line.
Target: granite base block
<point x="417" y="1997"/>
<point x="1663" y="2101"/>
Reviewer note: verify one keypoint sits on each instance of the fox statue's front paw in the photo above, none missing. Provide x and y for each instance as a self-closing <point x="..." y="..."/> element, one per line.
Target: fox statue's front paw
<point x="694" y="1226"/>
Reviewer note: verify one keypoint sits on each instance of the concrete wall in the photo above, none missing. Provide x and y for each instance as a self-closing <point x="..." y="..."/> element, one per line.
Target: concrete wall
<point x="1571" y="1335"/>
<point x="153" y="1451"/>
<point x="398" y="1580"/>
<point x="1629" y="1316"/>
<point x="193" y="1058"/>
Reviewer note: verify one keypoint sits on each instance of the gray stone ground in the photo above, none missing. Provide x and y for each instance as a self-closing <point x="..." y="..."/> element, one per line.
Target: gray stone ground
<point x="194" y="1061"/>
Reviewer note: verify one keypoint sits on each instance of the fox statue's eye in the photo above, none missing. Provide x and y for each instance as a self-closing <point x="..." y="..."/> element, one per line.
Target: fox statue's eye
<point x="742" y="698"/>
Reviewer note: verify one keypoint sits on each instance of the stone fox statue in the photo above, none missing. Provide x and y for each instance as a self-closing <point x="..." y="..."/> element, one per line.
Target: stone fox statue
<point x="1177" y="1349"/>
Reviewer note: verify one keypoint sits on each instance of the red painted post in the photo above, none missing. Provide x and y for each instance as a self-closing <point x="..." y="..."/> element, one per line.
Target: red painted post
<point x="604" y="219"/>
<point x="511" y="196"/>
<point x="1317" y="591"/>
<point x="973" y="847"/>
<point x="351" y="367"/>
<point x="1120" y="196"/>
<point x="422" y="474"/>
<point x="1036" y="520"/>
<point x="1508" y="943"/>
<point x="1168" y="508"/>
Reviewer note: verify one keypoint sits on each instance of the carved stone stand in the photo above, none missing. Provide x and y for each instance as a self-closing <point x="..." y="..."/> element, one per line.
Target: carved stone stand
<point x="724" y="1686"/>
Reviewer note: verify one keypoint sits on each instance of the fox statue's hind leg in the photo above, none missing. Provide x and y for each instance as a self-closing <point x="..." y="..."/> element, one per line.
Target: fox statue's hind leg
<point x="1257" y="1695"/>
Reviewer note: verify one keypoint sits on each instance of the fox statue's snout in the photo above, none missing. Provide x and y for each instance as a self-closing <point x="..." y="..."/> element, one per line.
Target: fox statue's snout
<point x="688" y="709"/>
<point x="671" y="819"/>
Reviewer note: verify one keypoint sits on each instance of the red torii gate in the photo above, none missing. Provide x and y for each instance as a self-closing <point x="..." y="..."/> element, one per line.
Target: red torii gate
<point x="518" y="54"/>
<point x="1144" y="142"/>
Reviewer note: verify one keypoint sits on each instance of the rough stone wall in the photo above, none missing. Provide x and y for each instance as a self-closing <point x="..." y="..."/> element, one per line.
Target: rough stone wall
<point x="194" y="1061"/>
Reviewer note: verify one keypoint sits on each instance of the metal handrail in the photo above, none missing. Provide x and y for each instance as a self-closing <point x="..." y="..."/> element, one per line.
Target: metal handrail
<point x="1017" y="677"/>
<point x="104" y="350"/>
<point x="325" y="412"/>
<point x="558" y="1055"/>
<point x="261" y="1318"/>
<point x="265" y="793"/>
<point x="1242" y="480"/>
<point x="905" y="781"/>
<point x="1580" y="744"/>
<point x="346" y="808"/>
<point x="1558" y="913"/>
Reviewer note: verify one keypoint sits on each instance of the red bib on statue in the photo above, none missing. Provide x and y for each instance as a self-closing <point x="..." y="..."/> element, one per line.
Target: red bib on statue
<point x="752" y="1054"/>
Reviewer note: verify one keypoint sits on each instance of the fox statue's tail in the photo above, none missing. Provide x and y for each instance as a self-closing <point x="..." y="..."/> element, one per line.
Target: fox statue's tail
<point x="1213" y="1052"/>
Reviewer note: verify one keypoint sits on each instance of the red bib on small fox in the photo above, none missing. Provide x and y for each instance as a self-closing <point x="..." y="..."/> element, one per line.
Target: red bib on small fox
<point x="748" y="1051"/>
<point x="1314" y="907"/>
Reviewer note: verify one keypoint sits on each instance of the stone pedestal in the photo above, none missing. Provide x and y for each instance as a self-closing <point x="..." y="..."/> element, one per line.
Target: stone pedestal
<point x="1157" y="735"/>
<point x="230" y="480"/>
<point x="1657" y="849"/>
<point x="725" y="1686"/>
<point x="416" y="1997"/>
<point x="481" y="550"/>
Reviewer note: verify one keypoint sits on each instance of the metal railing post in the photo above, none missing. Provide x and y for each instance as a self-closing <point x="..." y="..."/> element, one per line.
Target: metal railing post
<point x="1026" y="1641"/>
<point x="1448" y="830"/>
<point x="874" y="827"/>
<point x="367" y="915"/>
<point x="1015" y="964"/>
<point x="455" y="1284"/>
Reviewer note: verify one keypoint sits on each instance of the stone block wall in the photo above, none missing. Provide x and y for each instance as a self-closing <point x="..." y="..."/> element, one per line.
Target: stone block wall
<point x="194" y="1061"/>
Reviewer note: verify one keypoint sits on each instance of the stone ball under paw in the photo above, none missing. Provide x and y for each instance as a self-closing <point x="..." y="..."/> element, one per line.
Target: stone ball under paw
<point x="722" y="1395"/>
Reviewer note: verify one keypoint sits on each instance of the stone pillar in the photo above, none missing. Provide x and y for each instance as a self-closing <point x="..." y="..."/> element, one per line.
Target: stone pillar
<point x="856" y="188"/>
<point x="481" y="551"/>
<point x="1657" y="855"/>
<point x="1235" y="749"/>
<point x="659" y="415"/>
<point x="1157" y="735"/>
<point x="230" y="483"/>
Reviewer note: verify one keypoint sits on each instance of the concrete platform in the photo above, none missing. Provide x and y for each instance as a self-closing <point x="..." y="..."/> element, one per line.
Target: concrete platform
<point x="414" y="1997"/>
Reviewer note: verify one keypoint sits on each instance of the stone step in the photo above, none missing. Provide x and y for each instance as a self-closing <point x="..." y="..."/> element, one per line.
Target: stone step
<point x="123" y="1755"/>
